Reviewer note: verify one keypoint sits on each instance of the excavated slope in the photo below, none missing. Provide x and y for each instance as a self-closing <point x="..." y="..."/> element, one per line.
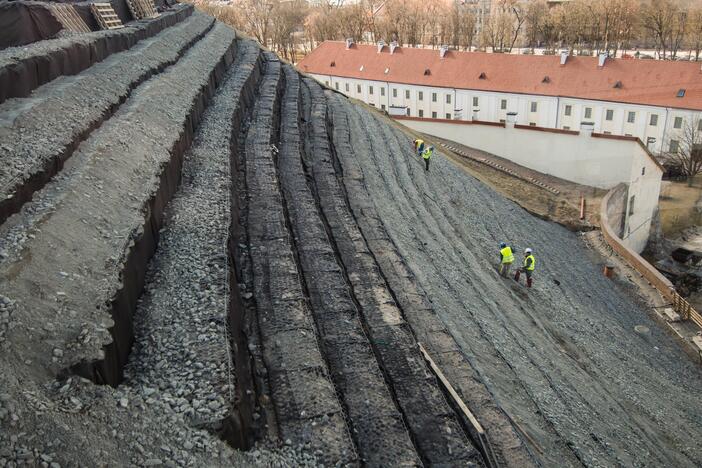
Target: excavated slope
<point x="203" y="250"/>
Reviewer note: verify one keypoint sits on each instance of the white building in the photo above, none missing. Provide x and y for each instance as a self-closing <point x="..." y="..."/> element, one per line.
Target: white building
<point x="647" y="99"/>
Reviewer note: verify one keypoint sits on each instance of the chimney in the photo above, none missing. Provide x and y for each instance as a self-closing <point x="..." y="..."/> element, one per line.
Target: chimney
<point x="443" y="50"/>
<point x="381" y="44"/>
<point x="511" y="119"/>
<point x="564" y="57"/>
<point x="601" y="60"/>
<point x="586" y="128"/>
<point x="349" y="42"/>
<point x="393" y="46"/>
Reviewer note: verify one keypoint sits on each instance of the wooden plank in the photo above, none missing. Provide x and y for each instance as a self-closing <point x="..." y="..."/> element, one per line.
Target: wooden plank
<point x="488" y="453"/>
<point x="459" y="401"/>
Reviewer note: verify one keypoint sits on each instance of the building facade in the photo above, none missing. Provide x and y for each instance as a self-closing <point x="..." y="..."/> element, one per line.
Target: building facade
<point x="652" y="100"/>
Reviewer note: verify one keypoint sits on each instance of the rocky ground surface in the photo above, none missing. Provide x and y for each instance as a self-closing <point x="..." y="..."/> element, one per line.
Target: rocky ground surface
<point x="234" y="256"/>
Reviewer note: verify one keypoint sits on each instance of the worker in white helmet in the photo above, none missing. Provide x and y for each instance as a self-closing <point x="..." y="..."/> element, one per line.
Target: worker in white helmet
<point x="528" y="267"/>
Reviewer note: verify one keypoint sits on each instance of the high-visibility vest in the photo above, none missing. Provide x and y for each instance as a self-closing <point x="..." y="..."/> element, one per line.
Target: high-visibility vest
<point x="533" y="262"/>
<point x="418" y="143"/>
<point x="427" y="153"/>
<point x="507" y="255"/>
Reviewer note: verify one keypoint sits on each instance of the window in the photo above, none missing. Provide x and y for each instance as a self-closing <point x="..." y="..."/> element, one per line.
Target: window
<point x="609" y="115"/>
<point x="476" y="101"/>
<point x="532" y="124"/>
<point x="433" y="97"/>
<point x="502" y="120"/>
<point x="631" y="204"/>
<point x="336" y="85"/>
<point x="382" y="91"/>
<point x="370" y="90"/>
<point x="421" y="113"/>
<point x="407" y="94"/>
<point x="678" y="122"/>
<point x="409" y="112"/>
<point x="607" y="133"/>
<point x="534" y="106"/>
<point x="699" y="125"/>
<point x="565" y="127"/>
<point x="568" y="110"/>
<point x="643" y="170"/>
<point x="503" y="104"/>
<point x="358" y="89"/>
<point x="433" y="115"/>
<point x="674" y="146"/>
<point x="382" y="106"/>
<point x="420" y="95"/>
<point x="631" y="117"/>
<point x="448" y="99"/>
<point x="654" y="120"/>
<point x="394" y="92"/>
<point x="588" y="112"/>
<point x="326" y="83"/>
<point x="448" y="116"/>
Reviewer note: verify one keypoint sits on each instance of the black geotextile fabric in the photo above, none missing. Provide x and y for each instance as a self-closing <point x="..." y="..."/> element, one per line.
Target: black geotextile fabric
<point x="25" y="22"/>
<point x="19" y="78"/>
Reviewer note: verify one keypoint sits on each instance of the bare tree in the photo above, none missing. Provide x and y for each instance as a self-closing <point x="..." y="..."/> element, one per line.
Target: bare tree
<point x="687" y="153"/>
<point x="694" y="31"/>
<point x="536" y="15"/>
<point x="666" y="21"/>
<point x="289" y="17"/>
<point x="501" y="29"/>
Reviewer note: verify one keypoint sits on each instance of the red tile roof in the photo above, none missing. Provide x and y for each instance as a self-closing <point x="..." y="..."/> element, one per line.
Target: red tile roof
<point x="647" y="82"/>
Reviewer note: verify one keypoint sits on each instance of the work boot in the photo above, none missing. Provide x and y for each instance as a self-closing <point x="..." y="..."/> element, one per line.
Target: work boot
<point x="528" y="282"/>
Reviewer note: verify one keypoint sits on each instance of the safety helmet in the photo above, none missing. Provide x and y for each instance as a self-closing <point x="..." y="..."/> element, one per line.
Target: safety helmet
<point x="503" y="245"/>
<point x="527" y="251"/>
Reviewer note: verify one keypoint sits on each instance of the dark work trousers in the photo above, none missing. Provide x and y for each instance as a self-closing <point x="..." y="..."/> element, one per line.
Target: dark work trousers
<point x="426" y="163"/>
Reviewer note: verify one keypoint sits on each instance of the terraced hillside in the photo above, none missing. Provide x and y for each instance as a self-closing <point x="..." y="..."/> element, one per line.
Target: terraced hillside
<point x="202" y="250"/>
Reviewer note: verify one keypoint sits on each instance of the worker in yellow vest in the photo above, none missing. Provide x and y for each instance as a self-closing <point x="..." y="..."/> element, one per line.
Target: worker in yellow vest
<point x="506" y="259"/>
<point x="419" y="146"/>
<point x="528" y="268"/>
<point x="428" y="153"/>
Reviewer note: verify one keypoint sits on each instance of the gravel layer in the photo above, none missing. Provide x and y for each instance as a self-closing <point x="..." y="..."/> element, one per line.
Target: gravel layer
<point x="182" y="351"/>
<point x="38" y="135"/>
<point x="562" y="359"/>
<point x="25" y="68"/>
<point x="74" y="255"/>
